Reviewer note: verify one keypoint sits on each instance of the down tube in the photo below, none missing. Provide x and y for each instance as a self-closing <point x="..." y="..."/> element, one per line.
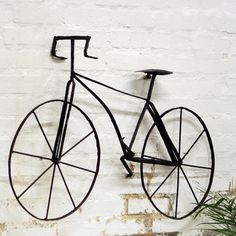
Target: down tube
<point x="108" y="112"/>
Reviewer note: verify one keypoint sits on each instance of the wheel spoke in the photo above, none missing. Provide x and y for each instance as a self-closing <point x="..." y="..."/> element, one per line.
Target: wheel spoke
<point x="67" y="188"/>
<point x="81" y="140"/>
<point x="163" y="181"/>
<point x="180" y="128"/>
<point x="31" y="155"/>
<point x="19" y="196"/>
<point x="194" y="195"/>
<point x="78" y="167"/>
<point x="50" y="192"/>
<point x="41" y="128"/>
<point x="199" y="136"/>
<point x="177" y="194"/>
<point x="195" y="166"/>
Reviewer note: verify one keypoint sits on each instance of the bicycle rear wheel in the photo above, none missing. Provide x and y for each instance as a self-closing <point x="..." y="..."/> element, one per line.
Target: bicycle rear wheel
<point x="177" y="191"/>
<point x="45" y="189"/>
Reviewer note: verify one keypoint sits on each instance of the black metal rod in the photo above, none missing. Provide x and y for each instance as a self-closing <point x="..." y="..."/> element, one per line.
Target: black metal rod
<point x="180" y="128"/>
<point x="41" y="128"/>
<point x="128" y="169"/>
<point x="186" y="178"/>
<point x="67" y="188"/>
<point x="199" y="136"/>
<point x="60" y="127"/>
<point x="69" y="106"/>
<point x="195" y="166"/>
<point x="50" y="192"/>
<point x="153" y="160"/>
<point x="31" y="155"/>
<point x="72" y="58"/>
<point x="138" y="125"/>
<point x="149" y="95"/>
<point x="64" y="117"/>
<point x="163" y="181"/>
<point x="81" y="140"/>
<point x="77" y="167"/>
<point x="19" y="196"/>
<point x="177" y="194"/>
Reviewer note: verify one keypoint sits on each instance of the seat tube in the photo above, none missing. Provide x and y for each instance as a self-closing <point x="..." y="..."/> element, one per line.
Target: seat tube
<point x="143" y="111"/>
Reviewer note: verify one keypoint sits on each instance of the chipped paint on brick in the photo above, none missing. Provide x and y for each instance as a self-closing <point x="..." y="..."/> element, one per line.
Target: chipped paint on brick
<point x="128" y="198"/>
<point x="2" y="227"/>
<point x="232" y="187"/>
<point x="149" y="176"/>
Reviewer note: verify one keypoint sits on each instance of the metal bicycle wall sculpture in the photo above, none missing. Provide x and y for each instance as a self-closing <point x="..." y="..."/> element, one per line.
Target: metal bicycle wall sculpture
<point x="55" y="154"/>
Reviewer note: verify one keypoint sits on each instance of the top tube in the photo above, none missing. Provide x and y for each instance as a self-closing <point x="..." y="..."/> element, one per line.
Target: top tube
<point x="106" y="86"/>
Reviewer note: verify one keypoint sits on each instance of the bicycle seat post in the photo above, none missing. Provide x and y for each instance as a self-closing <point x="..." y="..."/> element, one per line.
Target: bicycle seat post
<point x="152" y="76"/>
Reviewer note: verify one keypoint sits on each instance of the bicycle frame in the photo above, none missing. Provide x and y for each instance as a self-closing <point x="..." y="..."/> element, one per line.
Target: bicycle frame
<point x="182" y="163"/>
<point x="128" y="154"/>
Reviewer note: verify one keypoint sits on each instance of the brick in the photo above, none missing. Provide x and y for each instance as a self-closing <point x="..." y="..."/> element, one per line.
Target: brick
<point x="21" y="84"/>
<point x="11" y="104"/>
<point x="27" y="35"/>
<point x="80" y="16"/>
<point x="30" y="231"/>
<point x="40" y="59"/>
<point x="116" y="227"/>
<point x="9" y="58"/>
<point x="87" y="227"/>
<point x="140" y="205"/>
<point x="133" y="19"/>
<point x="6" y="13"/>
<point x="34" y="14"/>
<point x="128" y="19"/>
<point x="126" y="39"/>
<point x="132" y="62"/>
<point x="122" y="3"/>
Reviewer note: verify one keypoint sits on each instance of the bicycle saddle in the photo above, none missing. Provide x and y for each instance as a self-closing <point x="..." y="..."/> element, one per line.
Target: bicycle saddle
<point x="150" y="72"/>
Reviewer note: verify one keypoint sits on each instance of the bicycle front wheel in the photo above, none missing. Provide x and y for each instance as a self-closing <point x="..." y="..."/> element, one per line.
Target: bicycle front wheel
<point x="45" y="189"/>
<point x="178" y="191"/>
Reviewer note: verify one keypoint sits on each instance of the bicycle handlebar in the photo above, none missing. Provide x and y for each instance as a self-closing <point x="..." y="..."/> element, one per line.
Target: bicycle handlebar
<point x="57" y="38"/>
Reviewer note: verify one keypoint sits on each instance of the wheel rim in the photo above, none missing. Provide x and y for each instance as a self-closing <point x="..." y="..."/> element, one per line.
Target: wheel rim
<point x="178" y="191"/>
<point x="47" y="190"/>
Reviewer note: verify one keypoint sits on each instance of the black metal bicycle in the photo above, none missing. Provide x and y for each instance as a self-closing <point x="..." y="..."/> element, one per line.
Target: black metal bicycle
<point x="55" y="154"/>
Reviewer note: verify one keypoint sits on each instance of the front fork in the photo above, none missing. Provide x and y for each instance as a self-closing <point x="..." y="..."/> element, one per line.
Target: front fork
<point x="63" y="121"/>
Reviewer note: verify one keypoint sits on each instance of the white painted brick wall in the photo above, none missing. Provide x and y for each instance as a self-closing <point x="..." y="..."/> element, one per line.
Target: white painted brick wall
<point x="195" y="39"/>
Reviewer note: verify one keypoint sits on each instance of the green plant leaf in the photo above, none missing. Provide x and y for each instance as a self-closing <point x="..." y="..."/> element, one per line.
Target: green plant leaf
<point x="220" y="209"/>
